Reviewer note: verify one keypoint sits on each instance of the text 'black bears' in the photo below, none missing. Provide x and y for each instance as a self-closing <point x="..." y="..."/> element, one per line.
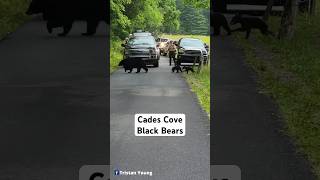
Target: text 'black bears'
<point x="176" y="68"/>
<point x="187" y="69"/>
<point x="130" y="63"/>
<point x="62" y="13"/>
<point x="249" y="23"/>
<point x="218" y="21"/>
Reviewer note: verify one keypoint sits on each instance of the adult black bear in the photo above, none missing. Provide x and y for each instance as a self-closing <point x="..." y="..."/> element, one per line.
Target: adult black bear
<point x="130" y="63"/>
<point x="218" y="20"/>
<point x="62" y="13"/>
<point x="248" y="23"/>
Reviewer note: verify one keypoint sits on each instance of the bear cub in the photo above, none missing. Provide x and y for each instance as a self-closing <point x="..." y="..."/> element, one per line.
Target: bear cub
<point x="187" y="69"/>
<point x="176" y="68"/>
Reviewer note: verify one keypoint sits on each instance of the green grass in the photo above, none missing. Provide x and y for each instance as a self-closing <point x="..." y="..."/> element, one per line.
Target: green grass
<point x="200" y="85"/>
<point x="12" y="14"/>
<point x="289" y="72"/>
<point x="115" y="54"/>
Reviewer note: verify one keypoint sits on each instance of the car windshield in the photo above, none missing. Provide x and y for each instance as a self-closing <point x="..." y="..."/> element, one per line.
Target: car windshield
<point x="148" y="40"/>
<point x="191" y="43"/>
<point x="164" y="40"/>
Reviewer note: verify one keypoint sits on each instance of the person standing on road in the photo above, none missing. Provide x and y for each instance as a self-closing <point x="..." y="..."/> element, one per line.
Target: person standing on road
<point x="172" y="52"/>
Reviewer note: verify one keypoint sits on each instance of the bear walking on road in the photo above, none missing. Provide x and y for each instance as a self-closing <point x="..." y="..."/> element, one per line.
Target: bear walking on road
<point x="219" y="21"/>
<point x="62" y="13"/>
<point x="130" y="63"/>
<point x="249" y="23"/>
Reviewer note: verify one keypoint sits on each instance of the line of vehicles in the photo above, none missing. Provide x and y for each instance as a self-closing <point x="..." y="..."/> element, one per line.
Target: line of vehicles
<point x="145" y="46"/>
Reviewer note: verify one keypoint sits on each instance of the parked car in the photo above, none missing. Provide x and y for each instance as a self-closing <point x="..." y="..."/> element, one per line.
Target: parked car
<point x="162" y="43"/>
<point x="144" y="47"/>
<point x="190" y="49"/>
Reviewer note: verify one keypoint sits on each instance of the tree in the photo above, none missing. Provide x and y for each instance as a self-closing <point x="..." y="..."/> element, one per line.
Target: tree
<point x="144" y="15"/>
<point x="198" y="3"/>
<point x="288" y="20"/>
<point x="193" y="20"/>
<point x="171" y="16"/>
<point x="312" y="7"/>
<point x="268" y="10"/>
<point x="120" y="23"/>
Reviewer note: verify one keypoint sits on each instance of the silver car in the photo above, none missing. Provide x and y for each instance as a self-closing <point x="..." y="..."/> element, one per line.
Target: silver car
<point x="191" y="48"/>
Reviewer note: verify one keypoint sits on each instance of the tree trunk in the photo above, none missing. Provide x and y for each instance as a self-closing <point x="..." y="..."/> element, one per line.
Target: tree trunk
<point x="312" y="9"/>
<point x="288" y="20"/>
<point x="268" y="10"/>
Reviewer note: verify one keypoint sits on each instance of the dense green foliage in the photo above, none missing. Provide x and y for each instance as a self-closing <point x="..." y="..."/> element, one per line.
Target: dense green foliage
<point x="198" y="3"/>
<point x="158" y="16"/>
<point x="289" y="72"/>
<point x="116" y="54"/>
<point x="12" y="14"/>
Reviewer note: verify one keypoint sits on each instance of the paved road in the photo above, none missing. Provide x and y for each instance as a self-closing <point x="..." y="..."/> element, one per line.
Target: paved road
<point x="246" y="130"/>
<point x="54" y="103"/>
<point x="169" y="158"/>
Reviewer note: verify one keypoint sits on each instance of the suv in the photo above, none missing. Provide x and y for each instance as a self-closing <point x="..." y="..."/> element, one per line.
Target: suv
<point x="190" y="48"/>
<point x="144" y="47"/>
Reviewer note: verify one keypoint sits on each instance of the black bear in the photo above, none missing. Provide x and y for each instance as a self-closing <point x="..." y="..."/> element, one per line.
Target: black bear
<point x="176" y="68"/>
<point x="219" y="20"/>
<point x="187" y="69"/>
<point x="248" y="23"/>
<point x="130" y="63"/>
<point x="62" y="13"/>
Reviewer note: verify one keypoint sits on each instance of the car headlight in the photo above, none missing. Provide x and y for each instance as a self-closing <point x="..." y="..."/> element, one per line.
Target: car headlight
<point x="181" y="50"/>
<point x="152" y="51"/>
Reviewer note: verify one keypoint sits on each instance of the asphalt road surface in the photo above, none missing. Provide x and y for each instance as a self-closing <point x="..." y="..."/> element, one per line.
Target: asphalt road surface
<point x="168" y="158"/>
<point x="54" y="103"/>
<point x="247" y="130"/>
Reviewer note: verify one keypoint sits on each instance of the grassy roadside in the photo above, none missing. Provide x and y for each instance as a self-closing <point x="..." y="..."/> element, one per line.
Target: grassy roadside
<point x="115" y="54"/>
<point x="289" y="72"/>
<point x="12" y="14"/>
<point x="199" y="83"/>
